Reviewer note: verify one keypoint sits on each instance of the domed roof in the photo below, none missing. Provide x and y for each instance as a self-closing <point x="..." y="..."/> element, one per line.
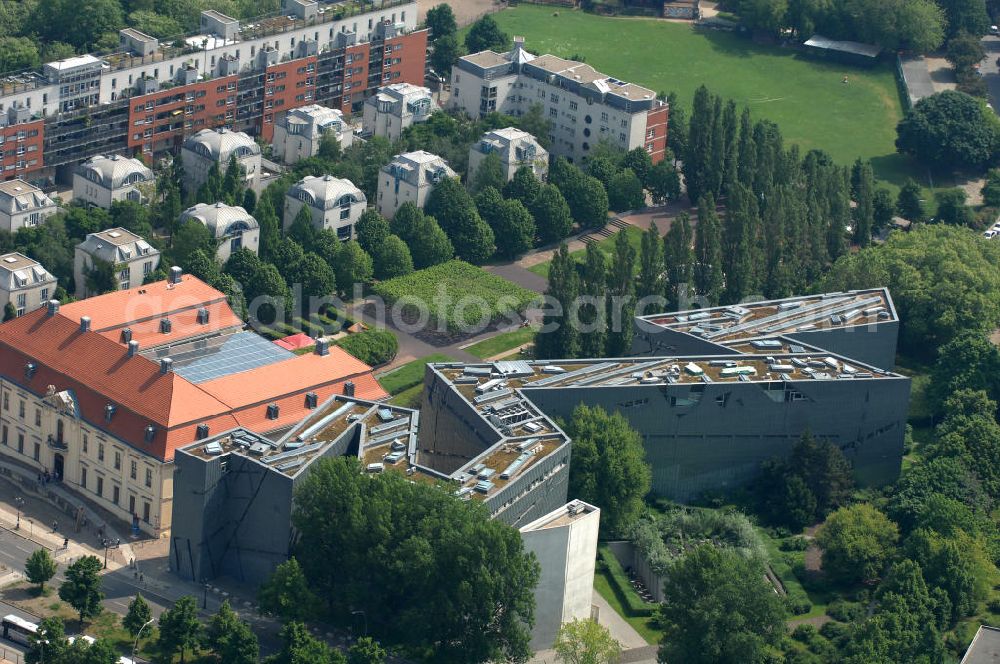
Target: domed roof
<point x="115" y="170"/>
<point x="221" y="220"/>
<point x="326" y="192"/>
<point x="218" y="144"/>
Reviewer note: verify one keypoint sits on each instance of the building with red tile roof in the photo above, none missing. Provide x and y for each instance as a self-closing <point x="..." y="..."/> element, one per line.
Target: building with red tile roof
<point x="100" y="395"/>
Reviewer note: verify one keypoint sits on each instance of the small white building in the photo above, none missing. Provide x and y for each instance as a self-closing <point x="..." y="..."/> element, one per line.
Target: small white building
<point x="298" y="133"/>
<point x="103" y="180"/>
<point x="23" y="204"/>
<point x="515" y="148"/>
<point x="232" y="227"/>
<point x="394" y="108"/>
<point x="334" y="203"/>
<point x="409" y="178"/>
<point x="565" y="542"/>
<point x="24" y="283"/>
<point x="135" y="258"/>
<point x="216" y="146"/>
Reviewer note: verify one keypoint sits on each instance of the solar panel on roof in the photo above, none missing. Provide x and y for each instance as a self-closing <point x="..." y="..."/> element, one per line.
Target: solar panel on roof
<point x="239" y="352"/>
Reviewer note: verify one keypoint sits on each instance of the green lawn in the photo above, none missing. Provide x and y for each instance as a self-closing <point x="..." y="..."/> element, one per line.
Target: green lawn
<point x="409" y="375"/>
<point x="607" y="245"/>
<point x="805" y="97"/>
<point x="783" y="569"/>
<point x="645" y="626"/>
<point x="504" y="341"/>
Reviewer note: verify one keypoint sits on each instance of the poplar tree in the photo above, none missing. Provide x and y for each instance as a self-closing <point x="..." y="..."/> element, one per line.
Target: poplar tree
<point x="678" y="258"/>
<point x="621" y="303"/>
<point x="558" y="339"/>
<point x="864" y="213"/>
<point x="650" y="280"/>
<point x="591" y="313"/>
<point x="699" y="145"/>
<point x="708" y="276"/>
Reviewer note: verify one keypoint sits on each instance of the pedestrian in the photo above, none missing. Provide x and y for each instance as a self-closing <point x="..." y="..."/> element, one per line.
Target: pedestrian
<point x="55" y="526"/>
<point x="65" y="542"/>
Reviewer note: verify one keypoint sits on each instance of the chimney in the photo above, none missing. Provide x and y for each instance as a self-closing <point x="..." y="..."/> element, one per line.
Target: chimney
<point x="133" y="348"/>
<point x="166" y="365"/>
<point x="349" y="389"/>
<point x="202" y="431"/>
<point x="165" y="325"/>
<point x="53" y="307"/>
<point x="126" y="335"/>
<point x="175" y="275"/>
<point x="85" y="323"/>
<point x="203" y="316"/>
<point x="322" y="347"/>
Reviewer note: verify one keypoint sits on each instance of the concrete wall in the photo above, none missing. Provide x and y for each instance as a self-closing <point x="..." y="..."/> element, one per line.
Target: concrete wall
<point x="451" y="431"/>
<point x="871" y="344"/>
<point x="713" y="437"/>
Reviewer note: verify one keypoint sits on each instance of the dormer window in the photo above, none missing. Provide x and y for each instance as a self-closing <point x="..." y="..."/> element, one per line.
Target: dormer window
<point x="149" y="433"/>
<point x="109" y="412"/>
<point x="29" y="370"/>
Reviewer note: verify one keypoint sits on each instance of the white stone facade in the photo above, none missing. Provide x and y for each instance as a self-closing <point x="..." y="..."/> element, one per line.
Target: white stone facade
<point x="515" y="148"/>
<point x="136" y="259"/>
<point x="103" y="180"/>
<point x="394" y="108"/>
<point x="409" y="178"/>
<point x="335" y="204"/>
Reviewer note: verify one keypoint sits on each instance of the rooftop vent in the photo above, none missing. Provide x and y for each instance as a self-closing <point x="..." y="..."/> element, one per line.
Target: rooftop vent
<point x="203" y="316"/>
<point x="166" y="365"/>
<point x="175" y="275"/>
<point x="322" y="347"/>
<point x="114" y="234"/>
<point x="53" y="307"/>
<point x="272" y="411"/>
<point x="126" y="335"/>
<point x="85" y="323"/>
<point x="165" y="325"/>
<point x="349" y="389"/>
<point x="202" y="431"/>
<point x="9" y="259"/>
<point x="29" y="370"/>
<point x="133" y="348"/>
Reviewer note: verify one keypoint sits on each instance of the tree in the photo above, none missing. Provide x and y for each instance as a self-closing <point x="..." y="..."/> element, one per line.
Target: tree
<point x="586" y="642"/>
<point x="455" y="211"/>
<point x="489" y="174"/>
<point x="314" y="275"/>
<point x="884" y="208"/>
<point x="524" y="186"/>
<point x="663" y="182"/>
<point x="192" y="236"/>
<point x="677" y="127"/>
<point x="708" y="276"/>
<point x="625" y="191"/>
<point x="639" y="162"/>
<point x="719" y="608"/>
<point x="857" y="542"/>
<point x="952" y="208"/>
<point x="609" y="466"/>
<point x="968" y="17"/>
<point x="446" y="51"/>
<point x="354" y="267"/>
<point x="302" y="229"/>
<point x="864" y="213"/>
<point x="392" y="259"/>
<point x="991" y="188"/>
<point x="39" y="568"/>
<point x="965" y="51"/>
<point x="101" y="277"/>
<point x="231" y="638"/>
<point x="650" y="279"/>
<point x="346" y="518"/>
<point x="82" y="587"/>
<point x="62" y="19"/>
<point x="371" y="230"/>
<point x="49" y="643"/>
<point x="440" y="20"/>
<point x="17" y="53"/>
<point x="512" y="224"/>
<point x="300" y="647"/>
<point x="366" y="650"/>
<point x="180" y="629"/>
<point x="153" y="24"/>
<point x="591" y="308"/>
<point x="621" y="300"/>
<point x="138" y="615"/>
<point x="557" y="337"/>
<point x="588" y="201"/>
<point x="485" y="35"/>
<point x="329" y="146"/>
<point x="909" y="203"/>
<point x="9" y="312"/>
<point x="949" y="130"/>
<point x="270" y="227"/>
<point x="553" y="218"/>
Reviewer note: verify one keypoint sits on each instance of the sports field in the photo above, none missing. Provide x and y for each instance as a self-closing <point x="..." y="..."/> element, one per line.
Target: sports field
<point x="806" y="98"/>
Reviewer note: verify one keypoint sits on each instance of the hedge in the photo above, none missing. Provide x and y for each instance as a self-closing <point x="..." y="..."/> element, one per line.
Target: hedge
<point x="485" y="298"/>
<point x="634" y="605"/>
<point x="373" y="347"/>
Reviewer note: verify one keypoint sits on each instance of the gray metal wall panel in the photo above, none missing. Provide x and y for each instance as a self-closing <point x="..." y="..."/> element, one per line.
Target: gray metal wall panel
<point x="872" y="344"/>
<point x="655" y="341"/>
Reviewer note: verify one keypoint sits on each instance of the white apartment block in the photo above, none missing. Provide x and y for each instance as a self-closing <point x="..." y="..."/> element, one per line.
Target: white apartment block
<point x="565" y="543"/>
<point x="515" y="148"/>
<point x="584" y="106"/>
<point x="298" y="133"/>
<point x="216" y="146"/>
<point x="24" y="283"/>
<point x="103" y="180"/>
<point x="409" y="178"/>
<point x="135" y="258"/>
<point x="80" y="80"/>
<point x="394" y="108"/>
<point x="232" y="227"/>
<point x="23" y="204"/>
<point x="334" y="203"/>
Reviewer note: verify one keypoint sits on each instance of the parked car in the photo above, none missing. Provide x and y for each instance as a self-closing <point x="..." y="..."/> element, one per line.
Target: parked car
<point x="990" y="234"/>
<point x="994" y="30"/>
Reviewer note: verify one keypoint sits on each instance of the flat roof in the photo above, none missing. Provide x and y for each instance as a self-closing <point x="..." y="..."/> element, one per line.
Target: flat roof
<point x="17" y="187"/>
<point x="16" y="261"/>
<point x="574" y="510"/>
<point x="985" y="647"/>
<point x="772" y="318"/>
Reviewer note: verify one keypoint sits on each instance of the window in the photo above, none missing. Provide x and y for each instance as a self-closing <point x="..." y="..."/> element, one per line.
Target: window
<point x="38" y="417"/>
<point x="115" y="493"/>
<point x="37" y="452"/>
<point x="85" y="441"/>
<point x="604" y="116"/>
<point x="20" y="443"/>
<point x="83" y="476"/>
<point x="553" y="112"/>
<point x="6" y="401"/>
<point x="124" y="278"/>
<point x="145" y="511"/>
<point x="149" y="477"/>
<point x="44" y="296"/>
<point x="100" y="486"/>
<point x="236" y="243"/>
<point x="624" y="123"/>
<point x="100" y="451"/>
<point x="133" y="469"/>
<point x="147" y="268"/>
<point x="131" y="504"/>
<point x="118" y="461"/>
<point x="573" y="106"/>
<point x="20" y="409"/>
<point x="622" y="137"/>
<point x="22" y="301"/>
<point x="3" y="436"/>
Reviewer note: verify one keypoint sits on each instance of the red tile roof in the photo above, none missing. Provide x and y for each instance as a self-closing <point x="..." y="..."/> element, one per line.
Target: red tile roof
<point x="141" y="309"/>
<point x="100" y="371"/>
<point x="295" y="341"/>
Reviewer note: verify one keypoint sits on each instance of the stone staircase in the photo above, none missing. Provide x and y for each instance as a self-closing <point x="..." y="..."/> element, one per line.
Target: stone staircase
<point x="609" y="229"/>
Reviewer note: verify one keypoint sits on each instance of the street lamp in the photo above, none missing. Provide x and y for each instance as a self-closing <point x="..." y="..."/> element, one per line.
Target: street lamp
<point x="135" y="646"/>
<point x="363" y="615"/>
<point x="106" y="545"/>
<point x="204" y="600"/>
<point x="19" y="501"/>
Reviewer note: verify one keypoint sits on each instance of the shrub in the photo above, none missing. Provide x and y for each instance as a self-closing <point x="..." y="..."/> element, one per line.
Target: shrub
<point x="797" y="543"/>
<point x="845" y="611"/>
<point x="373" y="347"/>
<point x="633" y="605"/>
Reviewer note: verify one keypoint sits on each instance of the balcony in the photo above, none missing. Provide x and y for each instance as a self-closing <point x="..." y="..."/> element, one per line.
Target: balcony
<point x="57" y="444"/>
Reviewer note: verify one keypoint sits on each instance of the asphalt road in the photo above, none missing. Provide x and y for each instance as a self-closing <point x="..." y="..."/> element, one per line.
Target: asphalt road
<point x="990" y="70"/>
